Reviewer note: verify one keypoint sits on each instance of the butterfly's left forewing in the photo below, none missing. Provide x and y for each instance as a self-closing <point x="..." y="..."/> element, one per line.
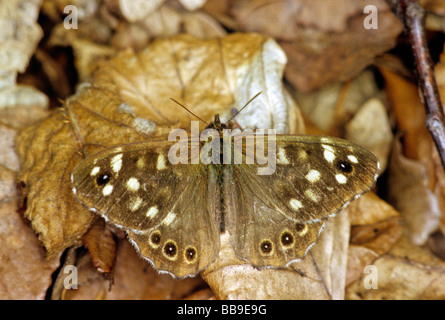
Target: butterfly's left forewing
<point x="275" y="218"/>
<point x="164" y="208"/>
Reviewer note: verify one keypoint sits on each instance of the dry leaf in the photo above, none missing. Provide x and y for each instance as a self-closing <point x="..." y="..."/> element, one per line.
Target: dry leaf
<point x="436" y="6"/>
<point x="103" y="35"/>
<point x="436" y="243"/>
<point x="324" y="41"/>
<point x="405" y="272"/>
<point x="133" y="279"/>
<point x="416" y="177"/>
<point x="24" y="272"/>
<point x="328" y="107"/>
<point x="19" y="33"/>
<point x="409" y="193"/>
<point x="375" y="135"/>
<point x="136" y="10"/>
<point x="375" y="228"/>
<point x="354" y="110"/>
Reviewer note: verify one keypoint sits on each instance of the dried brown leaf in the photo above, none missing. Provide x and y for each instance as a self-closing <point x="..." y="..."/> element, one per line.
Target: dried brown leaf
<point x="409" y="111"/>
<point x="134" y="279"/>
<point x="100" y="34"/>
<point x="405" y="272"/>
<point x="8" y="157"/>
<point x="416" y="181"/>
<point x="19" y="33"/>
<point x="435" y="6"/>
<point x="353" y="110"/>
<point x="370" y="128"/>
<point x="24" y="272"/>
<point x="18" y="117"/>
<point x="324" y="41"/>
<point x="375" y="228"/>
<point x="180" y="67"/>
<point x="329" y="107"/>
<point x="408" y="191"/>
<point x="436" y="242"/>
<point x="135" y="10"/>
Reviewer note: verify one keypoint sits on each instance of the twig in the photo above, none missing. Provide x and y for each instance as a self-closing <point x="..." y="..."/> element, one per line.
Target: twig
<point x="413" y="17"/>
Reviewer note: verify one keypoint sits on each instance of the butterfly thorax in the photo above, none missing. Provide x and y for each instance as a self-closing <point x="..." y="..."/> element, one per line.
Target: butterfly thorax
<point x="218" y="171"/>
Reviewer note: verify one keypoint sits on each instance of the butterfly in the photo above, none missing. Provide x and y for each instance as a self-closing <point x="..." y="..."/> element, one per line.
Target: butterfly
<point x="174" y="213"/>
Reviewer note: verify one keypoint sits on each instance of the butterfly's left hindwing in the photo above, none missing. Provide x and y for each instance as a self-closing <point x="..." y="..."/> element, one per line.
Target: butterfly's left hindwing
<point x="274" y="219"/>
<point x="164" y="208"/>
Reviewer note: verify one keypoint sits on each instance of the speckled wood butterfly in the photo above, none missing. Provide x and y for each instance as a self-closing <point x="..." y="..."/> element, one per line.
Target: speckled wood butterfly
<point x="174" y="214"/>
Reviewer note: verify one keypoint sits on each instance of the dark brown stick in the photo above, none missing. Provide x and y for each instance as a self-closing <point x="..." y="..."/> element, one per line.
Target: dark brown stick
<point x="413" y="17"/>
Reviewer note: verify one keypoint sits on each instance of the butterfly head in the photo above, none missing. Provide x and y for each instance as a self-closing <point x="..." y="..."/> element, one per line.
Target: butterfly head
<point x="217" y="124"/>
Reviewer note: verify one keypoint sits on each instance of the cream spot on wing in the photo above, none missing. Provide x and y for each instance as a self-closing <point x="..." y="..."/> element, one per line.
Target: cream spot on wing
<point x="329" y="156"/>
<point x="313" y="176"/>
<point x="140" y="163"/>
<point x="116" y="162"/>
<point x="94" y="171"/>
<point x="106" y="191"/>
<point x="353" y="159"/>
<point x="161" y="164"/>
<point x="328" y="148"/>
<point x="133" y="184"/>
<point x="152" y="212"/>
<point x="281" y="157"/>
<point x="311" y="195"/>
<point x="295" y="204"/>
<point x="302" y="155"/>
<point x="135" y="204"/>
<point x="341" y="178"/>
<point x="74" y="190"/>
<point x="169" y="218"/>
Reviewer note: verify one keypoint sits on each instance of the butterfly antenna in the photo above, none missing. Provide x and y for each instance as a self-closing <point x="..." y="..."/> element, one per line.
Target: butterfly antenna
<point x="188" y="110"/>
<point x="253" y="98"/>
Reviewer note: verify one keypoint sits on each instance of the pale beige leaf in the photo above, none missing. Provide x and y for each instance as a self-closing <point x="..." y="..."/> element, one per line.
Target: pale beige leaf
<point x="24" y="271"/>
<point x="406" y="272"/>
<point x="328" y="107"/>
<point x="370" y="128"/>
<point x="135" y="10"/>
<point x="408" y="191"/>
<point x="19" y="33"/>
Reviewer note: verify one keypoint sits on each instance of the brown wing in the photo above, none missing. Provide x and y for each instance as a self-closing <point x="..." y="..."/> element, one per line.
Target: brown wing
<point x="164" y="208"/>
<point x="274" y="219"/>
